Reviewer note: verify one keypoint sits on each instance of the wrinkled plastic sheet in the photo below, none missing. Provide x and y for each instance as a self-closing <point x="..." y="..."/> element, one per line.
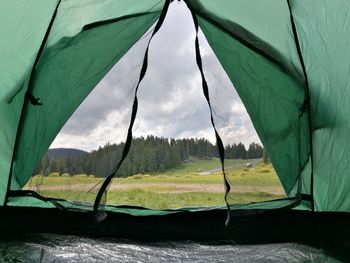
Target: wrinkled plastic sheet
<point x="68" y="248"/>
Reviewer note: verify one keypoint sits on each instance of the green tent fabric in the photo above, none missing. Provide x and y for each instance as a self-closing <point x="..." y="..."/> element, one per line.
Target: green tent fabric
<point x="19" y="45"/>
<point x="90" y="52"/>
<point x="240" y="32"/>
<point x="250" y="44"/>
<point x="323" y="32"/>
<point x="24" y="33"/>
<point x="257" y="43"/>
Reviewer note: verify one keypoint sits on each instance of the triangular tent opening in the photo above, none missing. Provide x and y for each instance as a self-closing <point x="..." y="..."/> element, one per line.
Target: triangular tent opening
<point x="173" y="161"/>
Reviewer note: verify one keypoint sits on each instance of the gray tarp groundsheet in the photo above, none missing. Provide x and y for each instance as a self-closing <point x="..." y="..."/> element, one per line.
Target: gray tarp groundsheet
<point x="61" y="248"/>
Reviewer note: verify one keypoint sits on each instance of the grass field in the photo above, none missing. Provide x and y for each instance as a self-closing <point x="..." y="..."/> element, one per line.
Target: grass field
<point x="198" y="183"/>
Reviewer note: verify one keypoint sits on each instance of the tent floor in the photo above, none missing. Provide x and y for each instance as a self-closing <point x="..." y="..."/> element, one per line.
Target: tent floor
<point x="74" y="248"/>
<point x="327" y="230"/>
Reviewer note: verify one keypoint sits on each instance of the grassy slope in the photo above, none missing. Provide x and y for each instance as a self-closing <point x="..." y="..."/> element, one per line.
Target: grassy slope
<point x="157" y="191"/>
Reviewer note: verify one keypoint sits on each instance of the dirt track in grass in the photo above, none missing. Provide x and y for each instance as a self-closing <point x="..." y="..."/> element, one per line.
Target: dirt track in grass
<point x="167" y="188"/>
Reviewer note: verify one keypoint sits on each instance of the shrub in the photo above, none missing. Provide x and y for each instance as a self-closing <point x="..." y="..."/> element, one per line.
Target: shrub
<point x="65" y="175"/>
<point x="91" y="176"/>
<point x="137" y="176"/>
<point x="146" y="175"/>
<point x="55" y="174"/>
<point x="81" y="175"/>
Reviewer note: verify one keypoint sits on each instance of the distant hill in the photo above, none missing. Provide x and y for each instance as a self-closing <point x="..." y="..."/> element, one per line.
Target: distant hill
<point x="64" y="153"/>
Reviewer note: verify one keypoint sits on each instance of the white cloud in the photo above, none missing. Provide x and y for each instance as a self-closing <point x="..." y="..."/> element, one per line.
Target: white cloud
<point x="171" y="100"/>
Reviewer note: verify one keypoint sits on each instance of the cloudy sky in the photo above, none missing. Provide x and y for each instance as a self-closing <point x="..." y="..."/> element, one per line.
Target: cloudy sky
<point x="171" y="101"/>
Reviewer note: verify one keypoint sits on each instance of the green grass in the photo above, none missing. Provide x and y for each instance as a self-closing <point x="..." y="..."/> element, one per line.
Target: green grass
<point x="164" y="190"/>
<point x="156" y="200"/>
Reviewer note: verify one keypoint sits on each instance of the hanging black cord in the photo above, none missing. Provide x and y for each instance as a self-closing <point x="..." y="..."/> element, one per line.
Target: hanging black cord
<point x="218" y="138"/>
<point x="127" y="145"/>
<point x="306" y="105"/>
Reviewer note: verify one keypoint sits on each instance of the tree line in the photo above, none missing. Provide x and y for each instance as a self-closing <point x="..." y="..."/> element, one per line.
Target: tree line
<point x="146" y="155"/>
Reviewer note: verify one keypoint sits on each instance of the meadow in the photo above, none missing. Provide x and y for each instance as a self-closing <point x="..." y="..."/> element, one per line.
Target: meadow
<point x="196" y="183"/>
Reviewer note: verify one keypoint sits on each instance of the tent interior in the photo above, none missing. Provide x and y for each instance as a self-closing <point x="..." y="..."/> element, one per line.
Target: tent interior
<point x="127" y="119"/>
